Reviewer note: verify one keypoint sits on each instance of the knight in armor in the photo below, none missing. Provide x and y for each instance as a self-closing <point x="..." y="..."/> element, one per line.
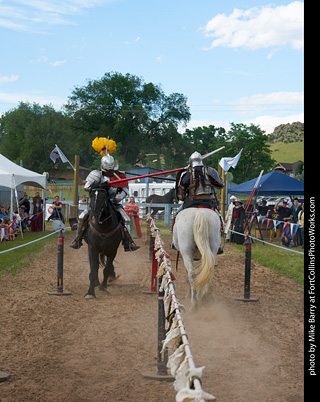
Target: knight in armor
<point x="196" y="187"/>
<point x="96" y="178"/>
<point x="197" y="184"/>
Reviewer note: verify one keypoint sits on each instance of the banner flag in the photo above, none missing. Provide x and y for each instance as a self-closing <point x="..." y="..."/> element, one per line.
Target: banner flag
<point x="56" y="154"/>
<point x="227" y="163"/>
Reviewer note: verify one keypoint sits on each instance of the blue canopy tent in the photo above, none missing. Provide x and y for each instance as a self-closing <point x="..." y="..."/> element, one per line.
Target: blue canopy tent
<point x="273" y="183"/>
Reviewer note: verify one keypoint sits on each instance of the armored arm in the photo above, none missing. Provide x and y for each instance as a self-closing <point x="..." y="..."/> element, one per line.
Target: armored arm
<point x="214" y="177"/>
<point x="93" y="180"/>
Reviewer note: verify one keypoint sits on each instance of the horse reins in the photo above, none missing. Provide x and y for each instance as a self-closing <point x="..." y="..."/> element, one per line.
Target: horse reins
<point x="104" y="235"/>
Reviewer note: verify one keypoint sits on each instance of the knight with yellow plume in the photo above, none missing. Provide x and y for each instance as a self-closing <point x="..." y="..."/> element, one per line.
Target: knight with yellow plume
<point x="106" y="174"/>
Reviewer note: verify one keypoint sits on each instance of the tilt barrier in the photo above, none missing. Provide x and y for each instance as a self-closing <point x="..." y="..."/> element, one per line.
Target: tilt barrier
<point x="172" y="335"/>
<point x="247" y="274"/>
<point x="59" y="291"/>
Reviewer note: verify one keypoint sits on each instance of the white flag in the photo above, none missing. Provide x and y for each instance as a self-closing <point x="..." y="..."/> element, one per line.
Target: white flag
<point x="227" y="163"/>
<point x="57" y="153"/>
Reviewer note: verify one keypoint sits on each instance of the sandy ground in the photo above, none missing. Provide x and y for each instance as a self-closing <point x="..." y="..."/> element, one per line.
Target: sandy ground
<point x="67" y="348"/>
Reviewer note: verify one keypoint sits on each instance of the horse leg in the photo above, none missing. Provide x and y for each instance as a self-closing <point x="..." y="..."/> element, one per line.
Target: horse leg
<point x="93" y="276"/>
<point x="187" y="256"/>
<point x="108" y="272"/>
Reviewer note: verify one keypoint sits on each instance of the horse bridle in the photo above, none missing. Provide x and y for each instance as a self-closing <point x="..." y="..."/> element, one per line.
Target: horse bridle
<point x="105" y="202"/>
<point x="113" y="231"/>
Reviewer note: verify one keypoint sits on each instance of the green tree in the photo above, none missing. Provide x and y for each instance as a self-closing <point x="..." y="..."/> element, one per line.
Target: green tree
<point x="135" y="114"/>
<point x="30" y="132"/>
<point x="256" y="154"/>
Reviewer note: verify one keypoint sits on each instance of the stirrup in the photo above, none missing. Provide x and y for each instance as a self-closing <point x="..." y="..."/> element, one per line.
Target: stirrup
<point x="76" y="244"/>
<point x="131" y="247"/>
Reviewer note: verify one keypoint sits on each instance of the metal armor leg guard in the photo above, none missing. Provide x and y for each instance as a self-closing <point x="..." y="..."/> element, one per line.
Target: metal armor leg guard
<point x="82" y="225"/>
<point x="128" y="243"/>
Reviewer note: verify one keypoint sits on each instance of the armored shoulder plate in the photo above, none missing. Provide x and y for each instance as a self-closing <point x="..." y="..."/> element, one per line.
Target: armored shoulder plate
<point x="214" y="177"/>
<point x="93" y="177"/>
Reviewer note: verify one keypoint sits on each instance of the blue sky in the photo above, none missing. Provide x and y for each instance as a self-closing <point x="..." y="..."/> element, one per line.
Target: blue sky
<point x="235" y="61"/>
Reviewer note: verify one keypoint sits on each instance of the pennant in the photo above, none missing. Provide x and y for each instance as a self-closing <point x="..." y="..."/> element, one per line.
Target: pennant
<point x="56" y="154"/>
<point x="268" y="223"/>
<point x="297" y="227"/>
<point x="227" y="163"/>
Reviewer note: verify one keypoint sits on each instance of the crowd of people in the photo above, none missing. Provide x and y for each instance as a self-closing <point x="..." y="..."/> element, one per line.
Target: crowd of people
<point x="26" y="216"/>
<point x="280" y="214"/>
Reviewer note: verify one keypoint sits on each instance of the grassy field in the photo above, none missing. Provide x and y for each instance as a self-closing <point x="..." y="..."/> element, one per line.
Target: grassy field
<point x="23" y="257"/>
<point x="287" y="152"/>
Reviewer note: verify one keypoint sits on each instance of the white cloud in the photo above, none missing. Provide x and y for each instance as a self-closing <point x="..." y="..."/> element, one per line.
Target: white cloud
<point x="268" y="122"/>
<point x="12" y="98"/>
<point x="257" y="28"/>
<point x="159" y="58"/>
<point x="5" y="78"/>
<point x="27" y="15"/>
<point x="275" y="101"/>
<point x="58" y="63"/>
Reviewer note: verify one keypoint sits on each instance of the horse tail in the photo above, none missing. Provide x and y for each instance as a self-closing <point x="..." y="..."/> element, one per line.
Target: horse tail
<point x="201" y="233"/>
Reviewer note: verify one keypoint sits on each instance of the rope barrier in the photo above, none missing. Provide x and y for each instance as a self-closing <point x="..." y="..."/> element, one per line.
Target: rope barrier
<point x="181" y="363"/>
<point x="263" y="241"/>
<point x="27" y="244"/>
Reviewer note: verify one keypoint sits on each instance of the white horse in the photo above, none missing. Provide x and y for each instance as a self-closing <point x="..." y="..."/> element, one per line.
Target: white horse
<point x="198" y="228"/>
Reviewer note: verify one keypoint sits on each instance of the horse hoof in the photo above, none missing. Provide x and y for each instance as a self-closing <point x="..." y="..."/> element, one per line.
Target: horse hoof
<point x="87" y="296"/>
<point x="113" y="278"/>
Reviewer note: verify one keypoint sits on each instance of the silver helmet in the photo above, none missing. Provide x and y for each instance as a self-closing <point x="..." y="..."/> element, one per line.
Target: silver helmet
<point x="107" y="162"/>
<point x="195" y="159"/>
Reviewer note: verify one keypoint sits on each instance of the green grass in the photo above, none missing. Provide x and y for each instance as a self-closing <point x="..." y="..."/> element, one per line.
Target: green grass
<point x="24" y="257"/>
<point x="281" y="261"/>
<point x="287" y="152"/>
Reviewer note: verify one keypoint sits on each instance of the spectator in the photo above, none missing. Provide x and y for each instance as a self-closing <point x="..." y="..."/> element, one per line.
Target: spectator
<point x="284" y="213"/>
<point x="36" y="209"/>
<point x="24" y="201"/>
<point x="229" y="218"/>
<point x="237" y="222"/>
<point x="83" y="200"/>
<point x="263" y="209"/>
<point x="57" y="210"/>
<point x="23" y="218"/>
<point x="295" y="209"/>
<point x="132" y="210"/>
<point x="287" y="238"/>
<point x="273" y="214"/>
<point x="301" y="225"/>
<point x="3" y="213"/>
<point x="7" y="232"/>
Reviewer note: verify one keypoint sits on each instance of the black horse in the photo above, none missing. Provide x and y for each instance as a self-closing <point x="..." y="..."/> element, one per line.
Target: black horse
<point x="168" y="198"/>
<point x="103" y="235"/>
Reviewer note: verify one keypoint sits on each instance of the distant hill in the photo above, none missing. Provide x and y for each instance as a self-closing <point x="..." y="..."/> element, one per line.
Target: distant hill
<point x="287" y="142"/>
<point x="287" y="133"/>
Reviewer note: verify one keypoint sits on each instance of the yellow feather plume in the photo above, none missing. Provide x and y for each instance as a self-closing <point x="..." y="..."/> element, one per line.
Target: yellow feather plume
<point x="100" y="144"/>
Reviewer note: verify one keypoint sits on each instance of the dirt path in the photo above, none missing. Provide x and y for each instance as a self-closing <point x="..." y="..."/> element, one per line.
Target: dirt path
<point x="72" y="349"/>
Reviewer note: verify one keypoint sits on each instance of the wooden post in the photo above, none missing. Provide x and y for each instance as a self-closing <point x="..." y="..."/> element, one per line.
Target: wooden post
<point x="74" y="212"/>
<point x="223" y="193"/>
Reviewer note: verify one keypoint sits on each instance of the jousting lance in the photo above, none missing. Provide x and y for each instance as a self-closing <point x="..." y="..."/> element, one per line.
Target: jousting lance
<point x="160" y="173"/>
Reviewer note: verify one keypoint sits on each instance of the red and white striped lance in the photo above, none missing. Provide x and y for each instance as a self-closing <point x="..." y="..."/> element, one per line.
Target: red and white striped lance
<point x="159" y="173"/>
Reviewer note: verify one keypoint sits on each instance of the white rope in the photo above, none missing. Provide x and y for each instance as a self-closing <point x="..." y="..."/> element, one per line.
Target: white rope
<point x="263" y="241"/>
<point x="27" y="244"/>
<point x="197" y="394"/>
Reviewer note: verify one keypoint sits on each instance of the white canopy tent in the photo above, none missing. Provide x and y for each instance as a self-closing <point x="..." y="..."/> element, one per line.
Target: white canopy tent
<point x="11" y="175"/>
